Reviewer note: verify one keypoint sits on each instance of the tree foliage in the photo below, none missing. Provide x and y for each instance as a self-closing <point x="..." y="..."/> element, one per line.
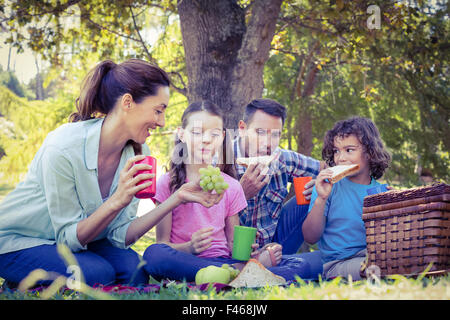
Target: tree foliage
<point x="326" y="63"/>
<point x="23" y="128"/>
<point x="9" y="80"/>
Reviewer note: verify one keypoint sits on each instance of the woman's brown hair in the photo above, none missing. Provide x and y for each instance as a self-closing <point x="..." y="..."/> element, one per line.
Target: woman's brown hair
<point x="177" y="168"/>
<point x="368" y="135"/>
<point x="108" y="81"/>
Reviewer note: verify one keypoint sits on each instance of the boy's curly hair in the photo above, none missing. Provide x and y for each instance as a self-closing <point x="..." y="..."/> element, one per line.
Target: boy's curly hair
<point x="368" y="135"/>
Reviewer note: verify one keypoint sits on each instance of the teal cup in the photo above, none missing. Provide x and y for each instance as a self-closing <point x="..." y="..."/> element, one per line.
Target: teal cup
<point x="244" y="237"/>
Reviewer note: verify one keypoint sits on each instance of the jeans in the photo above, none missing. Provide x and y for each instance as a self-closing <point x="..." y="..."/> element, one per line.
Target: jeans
<point x="290" y="235"/>
<point x="101" y="263"/>
<point x="162" y="261"/>
<point x="165" y="262"/>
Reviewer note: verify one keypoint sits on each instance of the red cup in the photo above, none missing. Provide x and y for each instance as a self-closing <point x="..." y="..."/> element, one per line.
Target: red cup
<point x="150" y="191"/>
<point x="299" y="186"/>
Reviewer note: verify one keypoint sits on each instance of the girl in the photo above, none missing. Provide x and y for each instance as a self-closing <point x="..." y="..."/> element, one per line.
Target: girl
<point x="193" y="237"/>
<point x="80" y="187"/>
<point x="335" y="211"/>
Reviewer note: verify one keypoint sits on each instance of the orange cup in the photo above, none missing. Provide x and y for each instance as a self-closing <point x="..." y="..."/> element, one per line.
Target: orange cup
<point x="299" y="187"/>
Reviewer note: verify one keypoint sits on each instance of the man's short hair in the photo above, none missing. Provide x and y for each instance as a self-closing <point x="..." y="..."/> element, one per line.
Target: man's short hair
<point x="268" y="106"/>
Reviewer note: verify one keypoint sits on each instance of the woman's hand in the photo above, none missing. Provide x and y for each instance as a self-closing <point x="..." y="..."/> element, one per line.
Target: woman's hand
<point x="323" y="188"/>
<point x="201" y="240"/>
<point x="192" y="192"/>
<point x="128" y="180"/>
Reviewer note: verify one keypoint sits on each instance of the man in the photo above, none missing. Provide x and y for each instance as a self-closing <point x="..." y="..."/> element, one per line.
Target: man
<point x="266" y="189"/>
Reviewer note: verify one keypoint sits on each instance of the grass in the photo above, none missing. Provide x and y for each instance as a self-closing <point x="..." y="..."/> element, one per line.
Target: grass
<point x="392" y="288"/>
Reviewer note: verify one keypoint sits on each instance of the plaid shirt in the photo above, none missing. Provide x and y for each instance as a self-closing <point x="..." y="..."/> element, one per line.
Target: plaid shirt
<point x="263" y="210"/>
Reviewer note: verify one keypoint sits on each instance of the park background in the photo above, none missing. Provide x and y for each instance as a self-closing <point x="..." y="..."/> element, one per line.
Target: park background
<point x="323" y="60"/>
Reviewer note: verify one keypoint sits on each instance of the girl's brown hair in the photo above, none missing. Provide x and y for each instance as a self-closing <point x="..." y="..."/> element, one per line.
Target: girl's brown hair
<point x="368" y="135"/>
<point x="108" y="81"/>
<point x="177" y="168"/>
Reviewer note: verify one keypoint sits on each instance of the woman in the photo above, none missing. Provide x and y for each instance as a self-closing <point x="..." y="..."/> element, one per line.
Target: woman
<point x="80" y="186"/>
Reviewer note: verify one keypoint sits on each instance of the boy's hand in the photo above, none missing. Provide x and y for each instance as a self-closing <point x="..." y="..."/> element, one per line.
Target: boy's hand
<point x="323" y="188"/>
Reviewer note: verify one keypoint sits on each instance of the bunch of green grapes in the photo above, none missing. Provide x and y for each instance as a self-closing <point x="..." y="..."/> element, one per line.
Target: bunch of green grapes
<point x="233" y="272"/>
<point x="210" y="179"/>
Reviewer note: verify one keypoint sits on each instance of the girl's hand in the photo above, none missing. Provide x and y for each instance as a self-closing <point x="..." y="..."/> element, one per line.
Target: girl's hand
<point x="127" y="186"/>
<point x="192" y="192"/>
<point x="201" y="240"/>
<point x="255" y="251"/>
<point x="255" y="247"/>
<point x="323" y="188"/>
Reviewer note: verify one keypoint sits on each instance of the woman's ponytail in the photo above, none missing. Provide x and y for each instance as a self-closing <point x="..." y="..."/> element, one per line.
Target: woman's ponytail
<point x="108" y="81"/>
<point x="92" y="96"/>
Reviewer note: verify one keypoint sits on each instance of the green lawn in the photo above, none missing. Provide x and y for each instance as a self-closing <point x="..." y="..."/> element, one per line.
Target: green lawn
<point x="392" y="288"/>
<point x="395" y="288"/>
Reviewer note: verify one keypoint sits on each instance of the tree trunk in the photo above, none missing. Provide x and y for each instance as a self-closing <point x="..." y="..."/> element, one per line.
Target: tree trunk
<point x="225" y="56"/>
<point x="303" y="130"/>
<point x="9" y="58"/>
<point x="39" y="85"/>
<point x="303" y="126"/>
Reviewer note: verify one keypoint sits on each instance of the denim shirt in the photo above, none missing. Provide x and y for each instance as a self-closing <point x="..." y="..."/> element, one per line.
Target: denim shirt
<point x="61" y="189"/>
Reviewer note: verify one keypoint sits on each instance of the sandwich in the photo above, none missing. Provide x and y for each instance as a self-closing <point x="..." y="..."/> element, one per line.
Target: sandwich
<point x="255" y="275"/>
<point x="265" y="160"/>
<point x="342" y="171"/>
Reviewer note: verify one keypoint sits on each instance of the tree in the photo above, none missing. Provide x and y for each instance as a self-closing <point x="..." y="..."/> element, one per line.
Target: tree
<point x="323" y="61"/>
<point x="327" y="65"/>
<point x="225" y="56"/>
<point x="39" y="86"/>
<point x="226" y="43"/>
<point x="9" y="80"/>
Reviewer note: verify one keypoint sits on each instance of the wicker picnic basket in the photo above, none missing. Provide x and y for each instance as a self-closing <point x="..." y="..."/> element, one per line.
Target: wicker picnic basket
<point x="407" y="230"/>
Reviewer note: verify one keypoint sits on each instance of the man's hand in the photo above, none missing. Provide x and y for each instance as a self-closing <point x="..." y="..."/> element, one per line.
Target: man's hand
<point x="308" y="189"/>
<point x="254" y="179"/>
<point x="309" y="186"/>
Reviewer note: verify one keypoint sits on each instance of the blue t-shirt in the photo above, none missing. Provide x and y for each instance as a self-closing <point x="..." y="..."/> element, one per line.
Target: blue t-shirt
<point x="344" y="233"/>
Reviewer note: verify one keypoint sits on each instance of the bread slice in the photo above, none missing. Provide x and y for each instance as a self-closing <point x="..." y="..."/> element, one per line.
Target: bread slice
<point x="265" y="160"/>
<point x="342" y="171"/>
<point x="255" y="275"/>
